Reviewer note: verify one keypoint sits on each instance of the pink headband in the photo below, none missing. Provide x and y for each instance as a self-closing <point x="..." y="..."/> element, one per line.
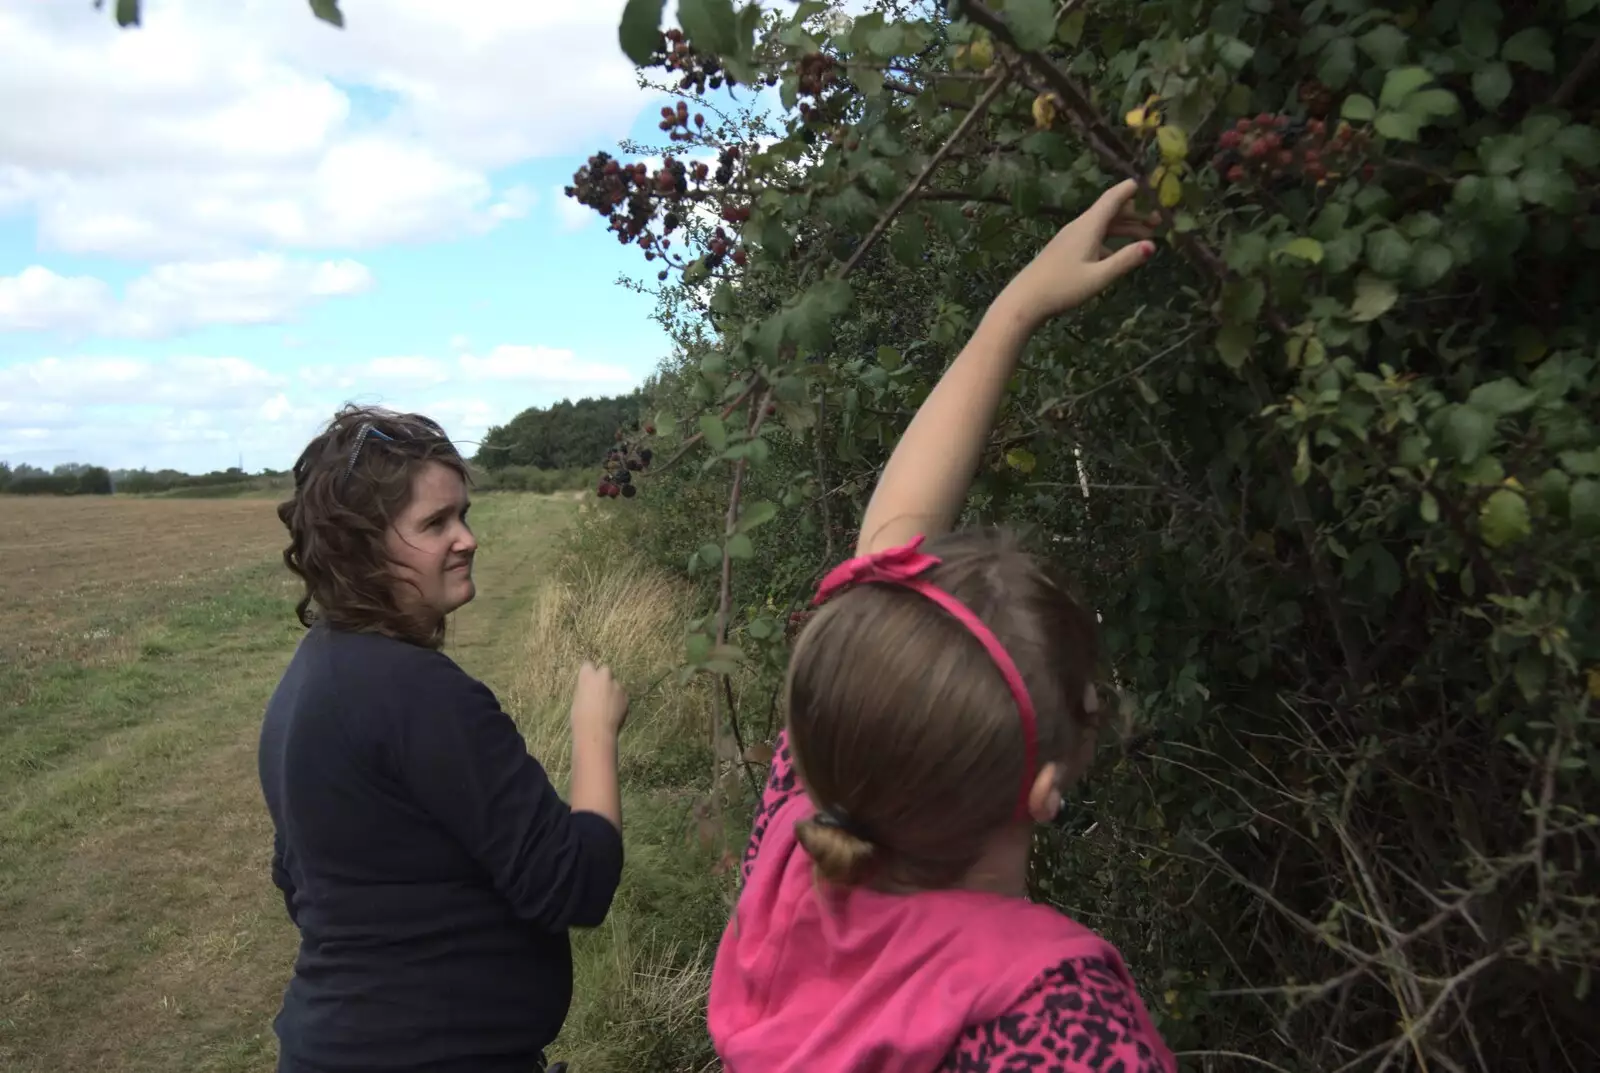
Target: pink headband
<point x="902" y="566"/>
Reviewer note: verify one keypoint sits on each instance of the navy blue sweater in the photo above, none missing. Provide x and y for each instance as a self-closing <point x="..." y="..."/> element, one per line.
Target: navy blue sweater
<point x="429" y="864"/>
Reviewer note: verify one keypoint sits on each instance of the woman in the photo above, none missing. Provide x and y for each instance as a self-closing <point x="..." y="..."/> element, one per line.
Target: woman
<point x="428" y="862"/>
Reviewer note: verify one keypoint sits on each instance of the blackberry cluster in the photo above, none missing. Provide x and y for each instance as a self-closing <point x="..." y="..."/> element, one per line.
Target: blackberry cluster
<point x="1275" y="148"/>
<point x="622" y="462"/>
<point x="817" y="72"/>
<point x="625" y="194"/>
<point x="698" y="71"/>
<point x="725" y="161"/>
<point x="676" y="122"/>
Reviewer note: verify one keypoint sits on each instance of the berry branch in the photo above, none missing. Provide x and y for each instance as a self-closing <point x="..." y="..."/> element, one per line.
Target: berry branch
<point x="1109" y="147"/>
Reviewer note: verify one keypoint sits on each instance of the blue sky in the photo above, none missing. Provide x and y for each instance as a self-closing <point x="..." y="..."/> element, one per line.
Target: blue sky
<point x="216" y="228"/>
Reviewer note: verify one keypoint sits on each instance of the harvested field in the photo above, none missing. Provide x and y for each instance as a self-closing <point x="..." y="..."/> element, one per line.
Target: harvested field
<point x="79" y="569"/>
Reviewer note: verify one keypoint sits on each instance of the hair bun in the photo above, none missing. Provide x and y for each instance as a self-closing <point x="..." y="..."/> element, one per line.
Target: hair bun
<point x="841" y="856"/>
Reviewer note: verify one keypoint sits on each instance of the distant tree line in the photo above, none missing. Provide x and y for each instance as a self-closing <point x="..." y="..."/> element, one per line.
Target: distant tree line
<point x="76" y="478"/>
<point x="567" y="435"/>
<point x="67" y="479"/>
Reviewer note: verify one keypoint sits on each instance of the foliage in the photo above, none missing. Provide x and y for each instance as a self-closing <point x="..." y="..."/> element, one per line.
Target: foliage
<point x="64" y="480"/>
<point x="128" y="12"/>
<point x="563" y="436"/>
<point x="529" y="479"/>
<point x="1329" y="470"/>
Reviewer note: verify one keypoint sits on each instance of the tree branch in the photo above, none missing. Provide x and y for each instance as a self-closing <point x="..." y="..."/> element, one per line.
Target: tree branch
<point x="1000" y="82"/>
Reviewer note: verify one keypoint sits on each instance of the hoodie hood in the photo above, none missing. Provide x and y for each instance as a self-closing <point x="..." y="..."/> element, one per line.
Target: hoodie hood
<point x="812" y="978"/>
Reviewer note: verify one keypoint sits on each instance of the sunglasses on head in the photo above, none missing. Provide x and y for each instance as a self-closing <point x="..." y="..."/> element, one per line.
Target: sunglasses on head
<point x="411" y="429"/>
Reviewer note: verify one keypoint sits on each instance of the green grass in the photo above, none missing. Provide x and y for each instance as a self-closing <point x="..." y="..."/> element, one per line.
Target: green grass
<point x="141" y="931"/>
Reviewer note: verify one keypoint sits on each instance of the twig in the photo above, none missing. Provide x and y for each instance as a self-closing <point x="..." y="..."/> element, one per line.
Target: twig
<point x="1569" y="85"/>
<point x="1000" y="82"/>
<point x="822" y="478"/>
<point x="688" y="444"/>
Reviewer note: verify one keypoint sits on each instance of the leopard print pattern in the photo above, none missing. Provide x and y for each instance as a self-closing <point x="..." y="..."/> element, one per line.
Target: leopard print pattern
<point x="782" y="785"/>
<point x="1083" y="1016"/>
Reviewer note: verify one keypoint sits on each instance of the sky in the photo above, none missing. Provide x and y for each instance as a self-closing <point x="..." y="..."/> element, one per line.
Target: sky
<point x="218" y="227"/>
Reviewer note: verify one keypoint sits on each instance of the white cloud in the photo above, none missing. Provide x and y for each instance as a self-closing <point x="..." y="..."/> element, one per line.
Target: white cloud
<point x="214" y="130"/>
<point x="198" y="413"/>
<point x="172" y="298"/>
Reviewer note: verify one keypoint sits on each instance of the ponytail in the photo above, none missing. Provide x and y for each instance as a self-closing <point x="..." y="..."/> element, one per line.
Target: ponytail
<point x="842" y="857"/>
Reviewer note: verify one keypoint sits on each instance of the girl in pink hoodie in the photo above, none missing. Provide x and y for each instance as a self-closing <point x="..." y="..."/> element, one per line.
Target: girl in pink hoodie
<point x="938" y="704"/>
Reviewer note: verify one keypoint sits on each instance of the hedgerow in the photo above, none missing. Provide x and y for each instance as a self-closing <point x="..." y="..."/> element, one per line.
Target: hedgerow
<point x="1328" y="469"/>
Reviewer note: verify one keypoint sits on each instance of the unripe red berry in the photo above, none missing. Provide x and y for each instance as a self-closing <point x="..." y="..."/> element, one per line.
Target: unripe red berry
<point x="1230" y="139"/>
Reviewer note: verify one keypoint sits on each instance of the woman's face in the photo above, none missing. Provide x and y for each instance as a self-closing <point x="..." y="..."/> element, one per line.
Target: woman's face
<point x="431" y="545"/>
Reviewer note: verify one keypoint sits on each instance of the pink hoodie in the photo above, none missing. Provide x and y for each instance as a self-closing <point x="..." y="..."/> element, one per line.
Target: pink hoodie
<point x="826" y="981"/>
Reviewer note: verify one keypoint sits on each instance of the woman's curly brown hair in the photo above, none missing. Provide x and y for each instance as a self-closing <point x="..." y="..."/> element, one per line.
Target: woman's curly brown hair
<point x="349" y="485"/>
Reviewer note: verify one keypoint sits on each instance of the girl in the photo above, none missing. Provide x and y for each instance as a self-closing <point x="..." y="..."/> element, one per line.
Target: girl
<point x="938" y="705"/>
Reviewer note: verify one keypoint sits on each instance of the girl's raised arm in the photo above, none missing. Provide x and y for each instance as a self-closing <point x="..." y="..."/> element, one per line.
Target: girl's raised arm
<point x="929" y="473"/>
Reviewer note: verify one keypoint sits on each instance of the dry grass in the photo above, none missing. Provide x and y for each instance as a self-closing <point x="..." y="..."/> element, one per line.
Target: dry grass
<point x="621" y="613"/>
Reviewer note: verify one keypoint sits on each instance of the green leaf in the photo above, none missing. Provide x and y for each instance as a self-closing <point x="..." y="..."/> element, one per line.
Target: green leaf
<point x="1578" y="8"/>
<point x="1426" y="104"/>
<point x="1374" y="297"/>
<point x="1398" y="126"/>
<point x="1579" y="144"/>
<point x="640" y="30"/>
<point x="1503" y="518"/>
<point x="1531" y="48"/>
<point x="1467" y="432"/>
<point x="1388" y="252"/>
<point x="1491" y="84"/>
<point x="127" y="13"/>
<point x="754" y="514"/>
<point x="740" y="547"/>
<point x="1070" y="32"/>
<point x="1400" y="83"/>
<point x="1502" y="154"/>
<point x="715" y="432"/>
<point x="1338" y="63"/>
<point x="1583" y="507"/>
<point x="328" y="11"/>
<point x="1358" y="108"/>
<point x="1502" y="397"/>
<point x="1234" y="343"/>
<point x="710" y="24"/>
<point x="1384" y="43"/>
<point x="697" y="647"/>
<point x="1429" y="508"/>
<point x="1430" y="263"/>
<point x="1031" y="22"/>
<point x="1306" y="249"/>
<point x="890" y="358"/>
<point x="1581" y="463"/>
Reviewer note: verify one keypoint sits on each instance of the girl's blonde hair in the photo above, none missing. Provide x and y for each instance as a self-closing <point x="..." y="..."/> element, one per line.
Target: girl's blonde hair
<point x="902" y="728"/>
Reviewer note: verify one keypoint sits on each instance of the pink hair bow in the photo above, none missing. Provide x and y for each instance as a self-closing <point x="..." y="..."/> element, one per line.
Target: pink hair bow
<point x="904" y="566"/>
<point x="895" y="566"/>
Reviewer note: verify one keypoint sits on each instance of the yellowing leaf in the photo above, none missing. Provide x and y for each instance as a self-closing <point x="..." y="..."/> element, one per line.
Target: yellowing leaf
<point x="1170" y="191"/>
<point x="1044" y="111"/>
<point x="1173" y="142"/>
<point x="1306" y="249"/>
<point x="1504" y="518"/>
<point x="1020" y="458"/>
<point x="981" y="54"/>
<point x="1594" y="682"/>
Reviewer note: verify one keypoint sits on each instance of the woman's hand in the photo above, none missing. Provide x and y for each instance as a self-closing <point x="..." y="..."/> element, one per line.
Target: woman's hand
<point x="599" y="705"/>
<point x="1077" y="264"/>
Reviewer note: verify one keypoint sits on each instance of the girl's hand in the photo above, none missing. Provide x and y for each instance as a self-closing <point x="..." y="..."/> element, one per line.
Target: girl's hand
<point x="1077" y="264"/>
